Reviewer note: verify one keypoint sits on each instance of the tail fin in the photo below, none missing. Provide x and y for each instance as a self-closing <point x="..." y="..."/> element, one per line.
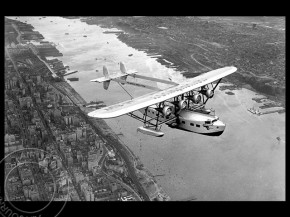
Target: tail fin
<point x="123" y="68"/>
<point x="124" y="71"/>
<point x="106" y="74"/>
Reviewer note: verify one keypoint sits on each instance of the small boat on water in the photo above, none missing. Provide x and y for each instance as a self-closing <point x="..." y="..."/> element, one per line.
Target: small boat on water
<point x="73" y="79"/>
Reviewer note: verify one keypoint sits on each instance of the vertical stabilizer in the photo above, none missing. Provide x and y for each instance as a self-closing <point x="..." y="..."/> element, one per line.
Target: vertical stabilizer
<point x="123" y="68"/>
<point x="106" y="74"/>
<point x="106" y="84"/>
<point x="123" y="71"/>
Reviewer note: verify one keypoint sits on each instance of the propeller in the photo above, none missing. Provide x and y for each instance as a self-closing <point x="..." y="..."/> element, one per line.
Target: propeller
<point x="213" y="90"/>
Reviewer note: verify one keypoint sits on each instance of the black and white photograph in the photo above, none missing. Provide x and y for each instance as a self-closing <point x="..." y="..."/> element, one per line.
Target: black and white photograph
<point x="142" y="108"/>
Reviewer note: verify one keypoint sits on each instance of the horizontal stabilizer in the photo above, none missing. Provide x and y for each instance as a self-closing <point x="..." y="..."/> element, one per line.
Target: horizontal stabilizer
<point x="136" y="84"/>
<point x="153" y="79"/>
<point x="100" y="80"/>
<point x="103" y="79"/>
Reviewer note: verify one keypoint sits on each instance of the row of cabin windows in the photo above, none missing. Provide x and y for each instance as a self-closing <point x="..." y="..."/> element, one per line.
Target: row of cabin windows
<point x="191" y="124"/>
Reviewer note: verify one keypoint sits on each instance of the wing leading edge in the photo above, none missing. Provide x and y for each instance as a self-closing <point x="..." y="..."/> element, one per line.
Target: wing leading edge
<point x="160" y="96"/>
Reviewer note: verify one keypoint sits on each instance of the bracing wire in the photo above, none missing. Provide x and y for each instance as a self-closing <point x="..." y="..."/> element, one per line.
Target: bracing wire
<point x="126" y="90"/>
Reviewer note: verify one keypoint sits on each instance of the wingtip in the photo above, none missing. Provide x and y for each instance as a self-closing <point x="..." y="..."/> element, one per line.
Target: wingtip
<point x="234" y="68"/>
<point x="100" y="113"/>
<point x="96" y="114"/>
<point x="92" y="114"/>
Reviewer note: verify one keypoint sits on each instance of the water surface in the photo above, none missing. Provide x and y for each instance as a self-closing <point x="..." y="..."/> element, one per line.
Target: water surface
<point x="245" y="163"/>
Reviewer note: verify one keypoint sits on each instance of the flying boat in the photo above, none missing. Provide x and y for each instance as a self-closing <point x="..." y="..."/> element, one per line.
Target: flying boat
<point x="180" y="106"/>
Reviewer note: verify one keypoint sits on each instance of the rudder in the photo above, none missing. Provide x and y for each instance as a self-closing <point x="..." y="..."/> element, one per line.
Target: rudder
<point x="105" y="72"/>
<point x="124" y="71"/>
<point x="123" y="68"/>
<point x="106" y="84"/>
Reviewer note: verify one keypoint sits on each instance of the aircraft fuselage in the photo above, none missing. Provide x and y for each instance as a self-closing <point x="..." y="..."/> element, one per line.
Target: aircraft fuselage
<point x="192" y="121"/>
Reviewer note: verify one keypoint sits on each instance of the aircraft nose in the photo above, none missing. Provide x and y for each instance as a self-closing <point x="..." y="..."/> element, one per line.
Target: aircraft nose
<point x="220" y="125"/>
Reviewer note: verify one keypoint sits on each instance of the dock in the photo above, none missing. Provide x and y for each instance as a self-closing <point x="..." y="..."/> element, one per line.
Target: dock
<point x="69" y="73"/>
<point x="73" y="79"/>
<point x="281" y="110"/>
<point x="254" y="111"/>
<point x="257" y="112"/>
<point x="188" y="199"/>
<point x="113" y="32"/>
<point x="159" y="175"/>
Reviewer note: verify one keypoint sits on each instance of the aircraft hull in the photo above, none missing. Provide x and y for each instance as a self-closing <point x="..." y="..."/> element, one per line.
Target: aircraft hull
<point x="192" y="121"/>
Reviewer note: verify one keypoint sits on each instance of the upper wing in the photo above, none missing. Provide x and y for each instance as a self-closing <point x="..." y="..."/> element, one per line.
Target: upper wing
<point x="160" y="96"/>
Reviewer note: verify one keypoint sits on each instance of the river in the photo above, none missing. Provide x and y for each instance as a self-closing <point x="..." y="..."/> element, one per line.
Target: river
<point x="246" y="162"/>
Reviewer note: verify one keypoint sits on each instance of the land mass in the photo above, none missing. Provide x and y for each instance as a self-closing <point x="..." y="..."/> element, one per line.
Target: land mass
<point x="194" y="45"/>
<point x="33" y="65"/>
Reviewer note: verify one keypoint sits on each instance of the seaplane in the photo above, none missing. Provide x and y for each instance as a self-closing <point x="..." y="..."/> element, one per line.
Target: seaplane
<point x="180" y="106"/>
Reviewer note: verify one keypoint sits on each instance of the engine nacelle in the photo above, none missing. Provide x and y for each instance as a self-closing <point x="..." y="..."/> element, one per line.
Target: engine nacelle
<point x="207" y="92"/>
<point x="182" y="104"/>
<point x="179" y="105"/>
<point x="166" y="111"/>
<point x="196" y="98"/>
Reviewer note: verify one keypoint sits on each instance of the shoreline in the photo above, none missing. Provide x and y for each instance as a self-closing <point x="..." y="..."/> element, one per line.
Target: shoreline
<point x="103" y="128"/>
<point x="172" y="180"/>
<point x="138" y="39"/>
<point x="198" y="165"/>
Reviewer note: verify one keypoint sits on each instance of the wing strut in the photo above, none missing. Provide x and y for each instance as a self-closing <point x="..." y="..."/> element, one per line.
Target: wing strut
<point x="213" y="89"/>
<point x="126" y="90"/>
